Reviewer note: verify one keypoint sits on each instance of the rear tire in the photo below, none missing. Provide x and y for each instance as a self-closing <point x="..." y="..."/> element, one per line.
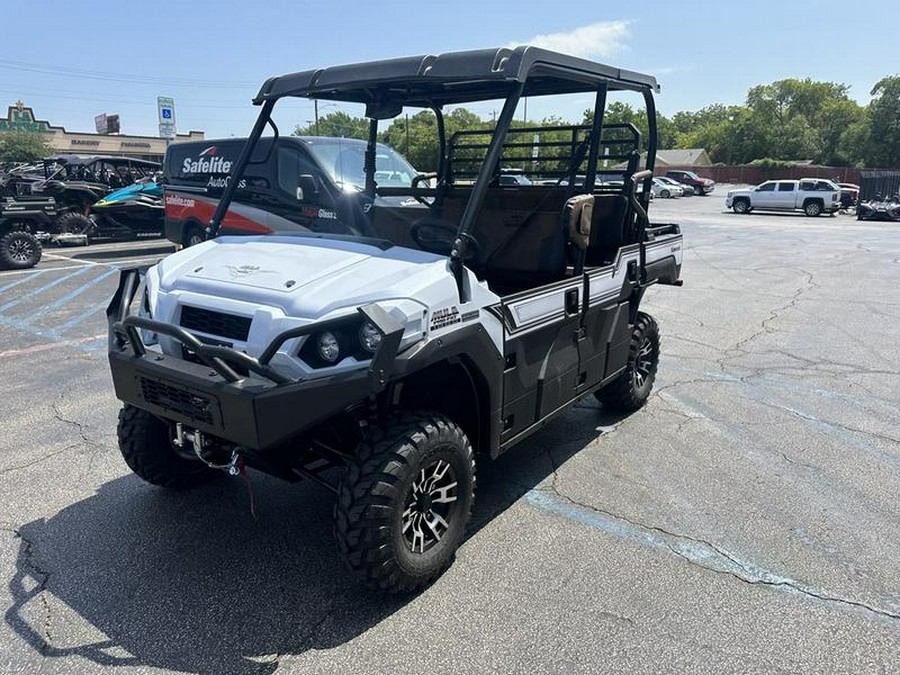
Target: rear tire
<point x="19" y="250"/>
<point x="75" y="223"/>
<point x="193" y="235"/>
<point x="631" y="389"/>
<point x="812" y="208"/>
<point x="404" y="503"/>
<point x="146" y="445"/>
<point x="740" y="206"/>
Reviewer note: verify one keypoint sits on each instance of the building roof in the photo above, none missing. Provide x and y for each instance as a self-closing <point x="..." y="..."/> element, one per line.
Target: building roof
<point x="683" y="157"/>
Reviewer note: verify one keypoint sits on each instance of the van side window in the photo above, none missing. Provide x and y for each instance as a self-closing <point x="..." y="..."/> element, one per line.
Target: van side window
<point x="291" y="165"/>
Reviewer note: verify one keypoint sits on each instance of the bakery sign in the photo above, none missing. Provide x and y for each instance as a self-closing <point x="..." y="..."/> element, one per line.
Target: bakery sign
<point x="20" y="118"/>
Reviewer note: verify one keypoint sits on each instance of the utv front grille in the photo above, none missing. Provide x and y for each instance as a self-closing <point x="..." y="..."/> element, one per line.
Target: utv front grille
<point x="197" y="407"/>
<point x="208" y="321"/>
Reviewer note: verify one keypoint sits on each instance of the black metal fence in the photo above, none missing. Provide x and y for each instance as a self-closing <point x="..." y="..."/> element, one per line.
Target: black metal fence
<point x="885" y="183"/>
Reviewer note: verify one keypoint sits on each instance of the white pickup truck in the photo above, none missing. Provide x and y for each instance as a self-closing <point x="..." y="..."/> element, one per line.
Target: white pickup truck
<point x="813" y="196"/>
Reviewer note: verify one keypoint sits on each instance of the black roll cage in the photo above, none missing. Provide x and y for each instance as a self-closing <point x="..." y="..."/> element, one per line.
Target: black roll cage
<point x="430" y="82"/>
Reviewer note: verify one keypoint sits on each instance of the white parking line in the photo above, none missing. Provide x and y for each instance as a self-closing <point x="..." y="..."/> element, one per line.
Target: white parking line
<point x="81" y="263"/>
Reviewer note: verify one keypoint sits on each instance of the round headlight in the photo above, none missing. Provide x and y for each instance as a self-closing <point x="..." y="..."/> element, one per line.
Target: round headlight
<point x="369" y="337"/>
<point x="328" y="346"/>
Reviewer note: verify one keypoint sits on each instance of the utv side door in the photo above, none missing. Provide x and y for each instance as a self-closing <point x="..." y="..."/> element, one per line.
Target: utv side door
<point x="541" y="339"/>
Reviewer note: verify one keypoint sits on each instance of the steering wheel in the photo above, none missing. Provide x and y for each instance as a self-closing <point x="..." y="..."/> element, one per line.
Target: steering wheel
<point x="438" y="236"/>
<point x="415" y="183"/>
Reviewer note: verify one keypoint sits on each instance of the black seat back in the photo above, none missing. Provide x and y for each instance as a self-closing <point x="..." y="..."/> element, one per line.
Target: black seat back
<point x="610" y="228"/>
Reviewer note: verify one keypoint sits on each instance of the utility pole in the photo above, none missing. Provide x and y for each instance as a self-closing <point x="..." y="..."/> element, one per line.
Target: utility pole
<point x="316" y="106"/>
<point x="406" y="151"/>
<point x="526" y="110"/>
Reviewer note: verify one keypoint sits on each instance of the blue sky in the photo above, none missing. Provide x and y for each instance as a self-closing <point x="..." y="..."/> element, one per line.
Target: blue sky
<point x="71" y="61"/>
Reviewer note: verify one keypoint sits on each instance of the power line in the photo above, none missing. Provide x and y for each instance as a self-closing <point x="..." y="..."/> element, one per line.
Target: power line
<point x="117" y="77"/>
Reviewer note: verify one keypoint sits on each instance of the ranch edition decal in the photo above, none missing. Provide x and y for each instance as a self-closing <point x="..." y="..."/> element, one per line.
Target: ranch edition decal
<point x="442" y="318"/>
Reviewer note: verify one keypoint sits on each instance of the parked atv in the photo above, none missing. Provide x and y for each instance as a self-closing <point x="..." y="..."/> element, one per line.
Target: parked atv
<point x="53" y="200"/>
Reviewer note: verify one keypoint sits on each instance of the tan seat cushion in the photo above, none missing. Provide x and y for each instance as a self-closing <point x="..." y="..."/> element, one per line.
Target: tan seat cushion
<point x="577" y="213"/>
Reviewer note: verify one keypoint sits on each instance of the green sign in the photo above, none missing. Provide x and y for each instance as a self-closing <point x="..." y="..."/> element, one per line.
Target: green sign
<point x="22" y="119"/>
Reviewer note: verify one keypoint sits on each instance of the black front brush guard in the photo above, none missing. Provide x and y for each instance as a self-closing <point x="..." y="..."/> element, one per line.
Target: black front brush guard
<point x="123" y="330"/>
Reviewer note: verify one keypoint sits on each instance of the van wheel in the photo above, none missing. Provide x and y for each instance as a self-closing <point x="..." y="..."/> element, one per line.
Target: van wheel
<point x="19" y="250"/>
<point x="631" y="389"/>
<point x="193" y="235"/>
<point x="404" y="502"/>
<point x="812" y="208"/>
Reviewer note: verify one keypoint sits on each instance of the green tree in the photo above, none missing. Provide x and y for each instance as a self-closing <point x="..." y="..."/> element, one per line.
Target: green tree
<point x="619" y="112"/>
<point x="338" y="124"/>
<point x="415" y="136"/>
<point x="23" y="146"/>
<point x="802" y="119"/>
<point x="883" y="147"/>
<point x="840" y="123"/>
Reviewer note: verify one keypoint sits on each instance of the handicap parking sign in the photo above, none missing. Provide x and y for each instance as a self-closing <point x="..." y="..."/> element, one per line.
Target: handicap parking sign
<point x="167" y="113"/>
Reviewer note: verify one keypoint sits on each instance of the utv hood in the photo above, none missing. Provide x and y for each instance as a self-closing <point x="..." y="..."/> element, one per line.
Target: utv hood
<point x="302" y="275"/>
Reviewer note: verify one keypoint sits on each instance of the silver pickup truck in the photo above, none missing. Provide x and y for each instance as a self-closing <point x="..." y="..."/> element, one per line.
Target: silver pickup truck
<point x="813" y="196"/>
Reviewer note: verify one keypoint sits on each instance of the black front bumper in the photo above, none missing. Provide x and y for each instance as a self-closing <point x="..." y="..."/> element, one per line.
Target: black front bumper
<point x="211" y="396"/>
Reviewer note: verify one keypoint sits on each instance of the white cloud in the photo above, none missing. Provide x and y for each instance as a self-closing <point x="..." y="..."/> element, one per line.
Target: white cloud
<point x="601" y="39"/>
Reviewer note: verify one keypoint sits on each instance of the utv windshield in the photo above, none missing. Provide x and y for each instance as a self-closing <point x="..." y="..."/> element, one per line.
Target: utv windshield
<point x="344" y="159"/>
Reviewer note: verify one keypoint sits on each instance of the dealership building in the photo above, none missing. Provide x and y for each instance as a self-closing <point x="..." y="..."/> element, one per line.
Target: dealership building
<point x="20" y="117"/>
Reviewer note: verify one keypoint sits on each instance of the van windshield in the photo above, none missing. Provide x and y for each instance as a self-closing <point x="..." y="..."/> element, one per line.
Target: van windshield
<point x="344" y="159"/>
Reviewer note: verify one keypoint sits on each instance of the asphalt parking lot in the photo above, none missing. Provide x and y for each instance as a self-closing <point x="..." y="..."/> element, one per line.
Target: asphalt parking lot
<point x="746" y="520"/>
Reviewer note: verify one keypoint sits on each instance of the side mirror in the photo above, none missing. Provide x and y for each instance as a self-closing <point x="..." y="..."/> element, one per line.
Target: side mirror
<point x="307" y="188"/>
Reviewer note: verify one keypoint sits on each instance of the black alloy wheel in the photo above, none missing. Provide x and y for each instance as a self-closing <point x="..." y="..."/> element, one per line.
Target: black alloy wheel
<point x="404" y="502"/>
<point x="19" y="250"/>
<point x="631" y="389"/>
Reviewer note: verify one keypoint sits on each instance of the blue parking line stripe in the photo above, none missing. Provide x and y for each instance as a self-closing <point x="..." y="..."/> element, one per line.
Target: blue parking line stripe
<point x="72" y="294"/>
<point x="45" y="287"/>
<point x="84" y="315"/>
<point x="23" y="279"/>
<point x="49" y="333"/>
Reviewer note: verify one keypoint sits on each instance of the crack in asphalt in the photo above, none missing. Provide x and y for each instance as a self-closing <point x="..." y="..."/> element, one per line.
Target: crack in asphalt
<point x="698" y="552"/>
<point x="797" y="461"/>
<point x="57" y="413"/>
<point x="838" y="425"/>
<point x="778" y="311"/>
<point x="27" y="465"/>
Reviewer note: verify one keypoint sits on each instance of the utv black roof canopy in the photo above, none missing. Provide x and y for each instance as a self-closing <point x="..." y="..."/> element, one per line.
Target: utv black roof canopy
<point x="456" y="77"/>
